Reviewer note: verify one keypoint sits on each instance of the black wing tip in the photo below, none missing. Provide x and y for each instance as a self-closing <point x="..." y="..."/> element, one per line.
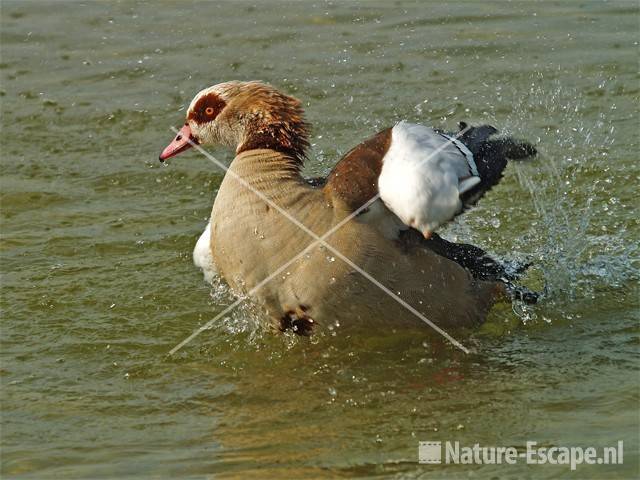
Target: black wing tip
<point x="523" y="294"/>
<point x="519" y="149"/>
<point x="480" y="132"/>
<point x="478" y="137"/>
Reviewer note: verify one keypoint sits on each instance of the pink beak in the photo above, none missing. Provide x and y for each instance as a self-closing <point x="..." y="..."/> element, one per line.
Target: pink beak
<point x="179" y="144"/>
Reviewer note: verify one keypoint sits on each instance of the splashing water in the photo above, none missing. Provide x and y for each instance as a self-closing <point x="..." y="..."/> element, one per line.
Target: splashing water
<point x="578" y="245"/>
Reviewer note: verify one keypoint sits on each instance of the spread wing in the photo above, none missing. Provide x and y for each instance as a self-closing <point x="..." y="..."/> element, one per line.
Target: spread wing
<point x="416" y="174"/>
<point x="423" y="176"/>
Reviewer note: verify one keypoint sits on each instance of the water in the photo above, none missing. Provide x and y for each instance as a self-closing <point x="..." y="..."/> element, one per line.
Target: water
<point x="96" y="246"/>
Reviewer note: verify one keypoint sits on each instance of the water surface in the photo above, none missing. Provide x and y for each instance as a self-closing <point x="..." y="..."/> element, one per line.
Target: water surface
<point x="98" y="284"/>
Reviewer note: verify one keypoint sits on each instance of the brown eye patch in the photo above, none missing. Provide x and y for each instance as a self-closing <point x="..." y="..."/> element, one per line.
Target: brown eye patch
<point x="206" y="108"/>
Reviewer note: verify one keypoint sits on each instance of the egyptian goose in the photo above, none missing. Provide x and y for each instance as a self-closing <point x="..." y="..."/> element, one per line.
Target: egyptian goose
<point x="411" y="178"/>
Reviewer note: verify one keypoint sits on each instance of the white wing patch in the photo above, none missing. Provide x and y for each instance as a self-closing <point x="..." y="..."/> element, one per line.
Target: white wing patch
<point x="423" y="175"/>
<point x="468" y="183"/>
<point x="202" y="256"/>
<point x="468" y="156"/>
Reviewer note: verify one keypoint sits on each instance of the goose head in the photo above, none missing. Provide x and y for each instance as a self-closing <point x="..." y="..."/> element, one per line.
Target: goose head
<point x="243" y="116"/>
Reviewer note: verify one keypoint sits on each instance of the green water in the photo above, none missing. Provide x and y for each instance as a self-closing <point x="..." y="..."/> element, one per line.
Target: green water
<point x="98" y="283"/>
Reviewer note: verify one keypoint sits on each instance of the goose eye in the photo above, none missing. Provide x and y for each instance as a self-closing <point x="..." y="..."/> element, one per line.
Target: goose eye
<point x="208" y="111"/>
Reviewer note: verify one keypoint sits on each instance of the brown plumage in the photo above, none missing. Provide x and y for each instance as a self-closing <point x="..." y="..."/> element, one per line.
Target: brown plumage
<point x="276" y="121"/>
<point x="249" y="240"/>
<point x="354" y="179"/>
<point x="206" y="108"/>
<point x="249" y="243"/>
